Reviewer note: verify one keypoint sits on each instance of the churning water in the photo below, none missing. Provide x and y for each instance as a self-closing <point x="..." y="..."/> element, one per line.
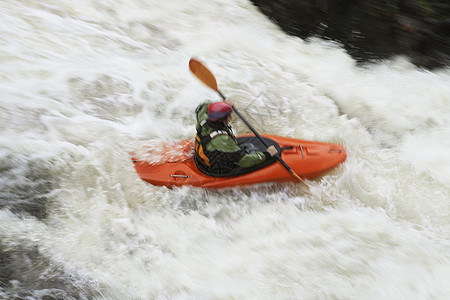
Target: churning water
<point x="84" y="83"/>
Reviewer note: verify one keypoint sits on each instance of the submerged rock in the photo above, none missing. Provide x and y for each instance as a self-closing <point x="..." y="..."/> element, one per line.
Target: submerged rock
<point x="371" y="29"/>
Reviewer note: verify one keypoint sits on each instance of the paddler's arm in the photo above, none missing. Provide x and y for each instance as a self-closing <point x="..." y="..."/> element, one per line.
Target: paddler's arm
<point x="253" y="159"/>
<point x="201" y="112"/>
<point x="248" y="160"/>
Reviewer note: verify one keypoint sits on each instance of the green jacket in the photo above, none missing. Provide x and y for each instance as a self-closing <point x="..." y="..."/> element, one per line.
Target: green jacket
<point x="224" y="142"/>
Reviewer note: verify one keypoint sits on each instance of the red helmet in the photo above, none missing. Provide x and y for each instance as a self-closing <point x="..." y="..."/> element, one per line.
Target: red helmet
<point x="219" y="110"/>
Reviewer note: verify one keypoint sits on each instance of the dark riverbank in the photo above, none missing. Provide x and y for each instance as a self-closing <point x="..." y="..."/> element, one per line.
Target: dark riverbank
<point x="369" y="29"/>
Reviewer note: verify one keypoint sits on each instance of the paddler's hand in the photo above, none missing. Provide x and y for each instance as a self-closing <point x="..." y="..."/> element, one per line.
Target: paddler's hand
<point x="228" y="100"/>
<point x="272" y="150"/>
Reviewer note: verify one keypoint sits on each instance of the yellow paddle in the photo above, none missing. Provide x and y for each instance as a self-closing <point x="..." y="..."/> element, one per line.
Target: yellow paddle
<point x="205" y="76"/>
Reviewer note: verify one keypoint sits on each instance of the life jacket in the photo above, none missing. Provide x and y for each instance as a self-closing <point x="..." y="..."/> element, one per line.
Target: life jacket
<point x="216" y="161"/>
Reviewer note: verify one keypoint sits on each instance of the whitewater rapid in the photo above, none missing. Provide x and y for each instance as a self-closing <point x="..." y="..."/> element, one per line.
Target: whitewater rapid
<point x="86" y="83"/>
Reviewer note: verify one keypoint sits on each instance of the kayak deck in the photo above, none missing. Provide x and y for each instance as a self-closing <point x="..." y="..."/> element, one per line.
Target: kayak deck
<point x="308" y="159"/>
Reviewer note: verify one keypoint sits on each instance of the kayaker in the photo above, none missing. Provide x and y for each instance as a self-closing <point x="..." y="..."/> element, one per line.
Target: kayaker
<point x="216" y="147"/>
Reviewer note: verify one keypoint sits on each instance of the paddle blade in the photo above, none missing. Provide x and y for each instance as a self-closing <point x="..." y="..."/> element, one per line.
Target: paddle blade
<point x="202" y="73"/>
<point x="299" y="178"/>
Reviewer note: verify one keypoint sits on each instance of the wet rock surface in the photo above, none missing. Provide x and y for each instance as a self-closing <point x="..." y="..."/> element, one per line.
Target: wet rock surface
<point x="371" y="30"/>
<point x="27" y="274"/>
<point x="24" y="186"/>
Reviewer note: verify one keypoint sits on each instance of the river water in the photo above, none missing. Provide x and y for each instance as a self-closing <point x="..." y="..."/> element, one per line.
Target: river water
<point x="85" y="83"/>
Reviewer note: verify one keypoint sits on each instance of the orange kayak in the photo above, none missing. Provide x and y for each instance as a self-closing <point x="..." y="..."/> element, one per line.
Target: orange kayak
<point x="177" y="166"/>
